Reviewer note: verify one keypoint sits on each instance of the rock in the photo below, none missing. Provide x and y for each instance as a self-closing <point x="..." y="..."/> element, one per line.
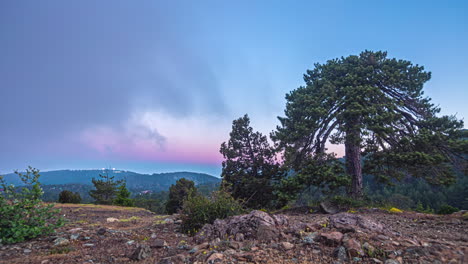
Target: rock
<point x="368" y="248"/>
<point x="350" y="222"/>
<point x="153" y="235"/>
<point x="74" y="230"/>
<point x="130" y="242"/>
<point x="329" y="207"/>
<point x="309" y="239"/>
<point x="101" y="231"/>
<point x="252" y="226"/>
<point x="215" y="258"/>
<point x="27" y="251"/>
<point x="74" y="236"/>
<point x="60" y="241"/>
<point x="353" y="247"/>
<point x="159" y="243"/>
<point x="177" y="259"/>
<point x="168" y="221"/>
<point x="340" y="253"/>
<point x="88" y="245"/>
<point x="112" y="220"/>
<point x="178" y="222"/>
<point x="267" y="233"/>
<point x="166" y="261"/>
<point x="391" y="261"/>
<point x="376" y="261"/>
<point x="141" y="252"/>
<point x="332" y="238"/>
<point x="287" y="245"/>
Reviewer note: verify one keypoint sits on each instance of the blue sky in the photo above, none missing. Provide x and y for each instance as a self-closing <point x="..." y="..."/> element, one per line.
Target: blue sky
<point x="153" y="86"/>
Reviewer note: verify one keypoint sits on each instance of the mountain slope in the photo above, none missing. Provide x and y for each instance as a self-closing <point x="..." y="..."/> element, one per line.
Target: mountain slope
<point x="136" y="181"/>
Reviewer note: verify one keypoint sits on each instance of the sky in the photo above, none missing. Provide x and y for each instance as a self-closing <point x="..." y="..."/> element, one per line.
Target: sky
<point x="153" y="86"/>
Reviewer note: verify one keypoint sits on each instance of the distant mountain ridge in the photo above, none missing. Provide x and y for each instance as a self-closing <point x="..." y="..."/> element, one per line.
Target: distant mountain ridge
<point x="136" y="181"/>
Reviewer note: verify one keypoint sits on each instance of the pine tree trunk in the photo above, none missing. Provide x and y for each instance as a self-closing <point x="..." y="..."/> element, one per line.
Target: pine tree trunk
<point x="353" y="163"/>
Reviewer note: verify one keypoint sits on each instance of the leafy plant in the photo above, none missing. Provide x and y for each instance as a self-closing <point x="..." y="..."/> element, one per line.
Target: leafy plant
<point x="447" y="209"/>
<point x="199" y="210"/>
<point x="69" y="197"/>
<point x="23" y="214"/>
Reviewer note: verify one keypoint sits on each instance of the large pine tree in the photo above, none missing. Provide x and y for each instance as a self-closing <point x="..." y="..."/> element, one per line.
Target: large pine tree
<point x="375" y="107"/>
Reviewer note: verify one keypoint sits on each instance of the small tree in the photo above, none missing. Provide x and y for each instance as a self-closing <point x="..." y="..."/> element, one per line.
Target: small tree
<point x="249" y="168"/>
<point x="178" y="193"/>
<point x="69" y="197"/>
<point x="106" y="189"/>
<point x="22" y="214"/>
<point x="123" y="196"/>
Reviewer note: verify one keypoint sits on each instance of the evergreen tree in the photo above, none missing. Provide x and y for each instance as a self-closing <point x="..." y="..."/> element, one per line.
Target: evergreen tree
<point x="123" y="196"/>
<point x="249" y="168"/>
<point x="375" y="106"/>
<point x="106" y="189"/>
<point x="178" y="193"/>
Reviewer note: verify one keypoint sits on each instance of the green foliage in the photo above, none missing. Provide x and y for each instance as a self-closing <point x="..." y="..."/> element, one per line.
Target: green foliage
<point x="199" y="210"/>
<point x="69" y="197"/>
<point x="178" y="193"/>
<point x="123" y="196"/>
<point x="375" y="106"/>
<point x="249" y="168"/>
<point x="447" y="209"/>
<point x="23" y="214"/>
<point x="326" y="173"/>
<point x="105" y="189"/>
<point x="155" y="202"/>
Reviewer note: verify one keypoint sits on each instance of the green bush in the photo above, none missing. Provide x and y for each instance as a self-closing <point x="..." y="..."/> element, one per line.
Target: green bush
<point x="199" y="210"/>
<point x="447" y="209"/>
<point x="23" y="214"/>
<point x="69" y="197"/>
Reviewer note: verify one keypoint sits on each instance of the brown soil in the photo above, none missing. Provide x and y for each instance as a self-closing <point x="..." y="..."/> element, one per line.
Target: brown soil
<point x="408" y="238"/>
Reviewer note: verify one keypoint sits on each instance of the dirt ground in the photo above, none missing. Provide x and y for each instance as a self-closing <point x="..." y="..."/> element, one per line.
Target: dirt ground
<point x="92" y="237"/>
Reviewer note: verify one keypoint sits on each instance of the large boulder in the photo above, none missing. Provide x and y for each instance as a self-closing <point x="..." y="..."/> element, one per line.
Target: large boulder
<point x="257" y="225"/>
<point x="346" y="222"/>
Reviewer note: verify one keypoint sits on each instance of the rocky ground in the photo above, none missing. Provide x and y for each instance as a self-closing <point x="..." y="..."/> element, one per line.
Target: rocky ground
<point x="110" y="234"/>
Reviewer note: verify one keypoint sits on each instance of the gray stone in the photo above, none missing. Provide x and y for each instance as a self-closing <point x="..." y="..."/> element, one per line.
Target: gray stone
<point x="74" y="236"/>
<point x="101" y="231"/>
<point x="141" y="252"/>
<point x="340" y="253"/>
<point x="328" y="207"/>
<point x="309" y="239"/>
<point x="159" y="243"/>
<point x="60" y="241"/>
<point x="391" y="261"/>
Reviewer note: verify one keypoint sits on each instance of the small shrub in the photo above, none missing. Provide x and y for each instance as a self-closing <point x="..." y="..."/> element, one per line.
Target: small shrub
<point x="395" y="210"/>
<point x="347" y="202"/>
<point x="447" y="209"/>
<point x="199" y="210"/>
<point x="23" y="214"/>
<point x="69" y="197"/>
